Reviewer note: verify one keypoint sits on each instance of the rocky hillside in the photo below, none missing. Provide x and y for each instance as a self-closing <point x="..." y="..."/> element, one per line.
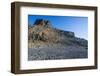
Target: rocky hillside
<point x="43" y="37"/>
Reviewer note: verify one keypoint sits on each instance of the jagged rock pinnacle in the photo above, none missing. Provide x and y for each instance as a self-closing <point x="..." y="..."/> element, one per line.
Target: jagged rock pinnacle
<point x="42" y="22"/>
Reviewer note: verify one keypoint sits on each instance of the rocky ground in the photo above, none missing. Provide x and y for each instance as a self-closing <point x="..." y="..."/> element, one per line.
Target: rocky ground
<point x="51" y="51"/>
<point x="64" y="52"/>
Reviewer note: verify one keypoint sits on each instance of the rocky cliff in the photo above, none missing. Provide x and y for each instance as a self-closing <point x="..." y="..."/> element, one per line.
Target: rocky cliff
<point x="43" y="35"/>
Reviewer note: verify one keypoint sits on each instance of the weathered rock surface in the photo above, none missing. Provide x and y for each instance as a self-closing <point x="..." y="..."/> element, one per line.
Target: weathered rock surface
<point x="46" y="42"/>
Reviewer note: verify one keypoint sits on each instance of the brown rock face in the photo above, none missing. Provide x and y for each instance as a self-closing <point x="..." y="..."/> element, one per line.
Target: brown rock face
<point x="42" y="31"/>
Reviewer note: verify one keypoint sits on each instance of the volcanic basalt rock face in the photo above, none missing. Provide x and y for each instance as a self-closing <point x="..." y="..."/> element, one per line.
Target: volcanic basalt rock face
<point x="44" y="40"/>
